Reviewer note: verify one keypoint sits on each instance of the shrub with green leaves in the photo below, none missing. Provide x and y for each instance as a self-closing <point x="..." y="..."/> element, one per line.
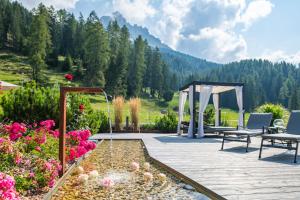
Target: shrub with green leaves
<point x="209" y="115"/>
<point x="32" y="103"/>
<point x="167" y="123"/>
<point x="276" y="109"/>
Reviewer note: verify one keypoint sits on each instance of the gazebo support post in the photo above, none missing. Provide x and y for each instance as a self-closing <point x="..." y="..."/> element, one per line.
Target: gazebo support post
<point x="243" y="90"/>
<point x="194" y="110"/>
<point x="219" y="106"/>
<point x="63" y="119"/>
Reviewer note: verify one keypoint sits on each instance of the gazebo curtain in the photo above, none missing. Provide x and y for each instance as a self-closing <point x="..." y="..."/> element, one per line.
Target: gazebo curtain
<point x="216" y="105"/>
<point x="190" y="130"/>
<point x="239" y="98"/>
<point x="182" y="100"/>
<point x="203" y="101"/>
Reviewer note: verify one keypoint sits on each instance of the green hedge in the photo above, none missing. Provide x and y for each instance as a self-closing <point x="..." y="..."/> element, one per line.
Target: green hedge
<point x="32" y="104"/>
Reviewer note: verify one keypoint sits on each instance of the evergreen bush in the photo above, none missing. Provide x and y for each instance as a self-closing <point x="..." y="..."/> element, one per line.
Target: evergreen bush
<point x="277" y="110"/>
<point x="167" y="123"/>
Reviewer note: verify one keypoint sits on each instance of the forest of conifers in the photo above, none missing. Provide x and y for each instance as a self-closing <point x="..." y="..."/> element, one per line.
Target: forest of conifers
<point x="106" y="57"/>
<point x="101" y="57"/>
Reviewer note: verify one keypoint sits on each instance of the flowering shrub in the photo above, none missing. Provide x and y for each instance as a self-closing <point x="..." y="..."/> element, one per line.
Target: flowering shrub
<point x="78" y="144"/>
<point x="7" y="188"/>
<point x="29" y="153"/>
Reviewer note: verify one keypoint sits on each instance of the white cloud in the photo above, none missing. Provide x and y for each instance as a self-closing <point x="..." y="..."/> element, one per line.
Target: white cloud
<point x="135" y="11"/>
<point x="279" y="55"/>
<point x="58" y="4"/>
<point x="216" y="44"/>
<point x="255" y="10"/>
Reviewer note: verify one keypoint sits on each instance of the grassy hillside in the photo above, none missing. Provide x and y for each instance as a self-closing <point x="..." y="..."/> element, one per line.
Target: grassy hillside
<point x="15" y="69"/>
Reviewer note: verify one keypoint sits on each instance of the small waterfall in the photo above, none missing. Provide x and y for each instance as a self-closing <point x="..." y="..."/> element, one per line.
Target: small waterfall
<point x="110" y="126"/>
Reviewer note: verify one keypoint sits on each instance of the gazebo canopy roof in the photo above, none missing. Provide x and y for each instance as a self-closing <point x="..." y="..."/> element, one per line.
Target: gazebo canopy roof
<point x="218" y="87"/>
<point x="7" y="86"/>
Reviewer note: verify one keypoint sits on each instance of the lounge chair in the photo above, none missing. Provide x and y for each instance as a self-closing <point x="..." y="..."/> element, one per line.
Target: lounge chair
<point x="256" y="125"/>
<point x="288" y="138"/>
<point x="217" y="129"/>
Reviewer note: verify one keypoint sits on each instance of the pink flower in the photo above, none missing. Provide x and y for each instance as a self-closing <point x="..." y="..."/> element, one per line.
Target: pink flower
<point x="80" y="151"/>
<point x="2" y="140"/>
<point x="84" y="134"/>
<point x="54" y="133"/>
<point x="51" y="183"/>
<point x="15" y="130"/>
<point x="48" y="166"/>
<point x="91" y="145"/>
<point x="107" y="183"/>
<point x="69" y="77"/>
<point x="31" y="175"/>
<point x="48" y="124"/>
<point x="18" y="159"/>
<point x="28" y="138"/>
<point x="41" y="139"/>
<point x="14" y="137"/>
<point x="38" y="148"/>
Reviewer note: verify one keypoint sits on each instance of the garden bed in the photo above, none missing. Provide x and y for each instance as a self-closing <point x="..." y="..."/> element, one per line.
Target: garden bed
<point x="120" y="170"/>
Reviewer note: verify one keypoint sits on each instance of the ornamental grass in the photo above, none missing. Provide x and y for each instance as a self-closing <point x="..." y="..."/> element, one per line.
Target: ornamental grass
<point x="118" y="104"/>
<point x="135" y="105"/>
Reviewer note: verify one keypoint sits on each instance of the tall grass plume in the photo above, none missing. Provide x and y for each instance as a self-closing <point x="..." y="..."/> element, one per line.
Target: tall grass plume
<point x="118" y="104"/>
<point x="135" y="105"/>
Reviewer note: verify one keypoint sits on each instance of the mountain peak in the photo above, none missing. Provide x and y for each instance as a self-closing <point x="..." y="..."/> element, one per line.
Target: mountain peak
<point x="135" y="30"/>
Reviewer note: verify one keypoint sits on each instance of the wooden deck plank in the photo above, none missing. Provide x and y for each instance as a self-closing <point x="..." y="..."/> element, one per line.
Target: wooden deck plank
<point x="232" y="173"/>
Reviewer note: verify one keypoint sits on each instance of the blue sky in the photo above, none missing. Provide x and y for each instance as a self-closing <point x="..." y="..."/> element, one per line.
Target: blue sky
<point x="217" y="30"/>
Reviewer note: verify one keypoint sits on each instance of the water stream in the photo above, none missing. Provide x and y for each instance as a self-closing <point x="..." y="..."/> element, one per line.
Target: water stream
<point x="110" y="127"/>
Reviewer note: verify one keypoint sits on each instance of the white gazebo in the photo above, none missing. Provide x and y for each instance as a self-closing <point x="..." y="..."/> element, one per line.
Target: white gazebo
<point x="206" y="89"/>
<point x="7" y="86"/>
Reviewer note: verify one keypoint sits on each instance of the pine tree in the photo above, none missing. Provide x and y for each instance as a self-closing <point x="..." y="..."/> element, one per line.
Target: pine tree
<point x="80" y="38"/>
<point x="294" y="100"/>
<point x="68" y="35"/>
<point x="39" y="42"/>
<point x="157" y="77"/>
<point x="137" y="68"/>
<point x="148" y="72"/>
<point x="96" y="51"/>
<point x="68" y="63"/>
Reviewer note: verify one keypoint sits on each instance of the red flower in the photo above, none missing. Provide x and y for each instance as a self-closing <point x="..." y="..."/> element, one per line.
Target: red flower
<point x="48" y="124"/>
<point x="81" y="107"/>
<point x="69" y="77"/>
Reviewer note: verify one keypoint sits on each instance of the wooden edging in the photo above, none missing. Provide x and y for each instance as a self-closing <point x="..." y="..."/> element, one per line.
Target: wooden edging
<point x="198" y="187"/>
<point x="61" y="181"/>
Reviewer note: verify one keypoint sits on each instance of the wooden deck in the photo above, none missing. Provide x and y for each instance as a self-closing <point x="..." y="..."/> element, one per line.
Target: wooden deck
<point x="232" y="173"/>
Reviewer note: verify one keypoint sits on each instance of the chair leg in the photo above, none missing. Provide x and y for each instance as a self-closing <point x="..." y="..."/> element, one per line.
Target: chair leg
<point x="296" y="153"/>
<point x="261" y="146"/>
<point x="223" y="141"/>
<point x="248" y="141"/>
